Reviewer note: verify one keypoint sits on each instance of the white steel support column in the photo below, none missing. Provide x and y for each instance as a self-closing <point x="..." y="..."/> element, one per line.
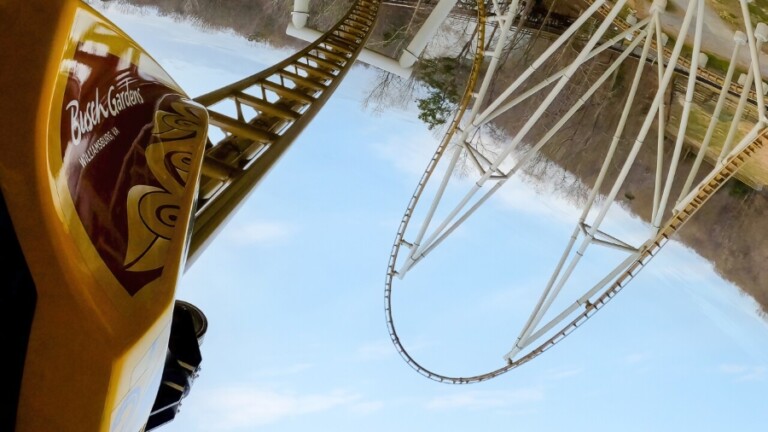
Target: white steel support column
<point x="300" y="13"/>
<point x="617" y="185"/>
<point x="402" y="67"/>
<point x="524" y="130"/>
<point x="507" y="21"/>
<point x="739" y="40"/>
<point x="621" y="126"/>
<point x="755" y="41"/>
<point x="668" y="73"/>
<point x="496" y="7"/>
<point x="444" y="233"/>
<point x="544" y="326"/>
<point x="683" y="128"/>
<point x="552" y="79"/>
<point x="426" y="33"/>
<point x="747" y="140"/>
<point x="415" y="250"/>
<point x="412" y="258"/>
<point x="734" y="129"/>
<point x="539" y="62"/>
<point x="581" y="302"/>
<point x="662" y="118"/>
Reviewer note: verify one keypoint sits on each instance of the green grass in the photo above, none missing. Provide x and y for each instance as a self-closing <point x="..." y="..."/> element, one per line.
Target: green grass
<point x="698" y="123"/>
<point x="759" y="11"/>
<point x="730" y="12"/>
<point x="719" y="64"/>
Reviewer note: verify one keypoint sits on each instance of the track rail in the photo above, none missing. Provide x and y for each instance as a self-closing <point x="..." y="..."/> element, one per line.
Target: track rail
<point x="283" y="100"/>
<point x="436" y="157"/>
<point x="692" y="203"/>
<point x="707" y="188"/>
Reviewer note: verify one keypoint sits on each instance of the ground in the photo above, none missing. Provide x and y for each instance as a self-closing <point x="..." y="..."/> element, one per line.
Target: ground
<point x="723" y="18"/>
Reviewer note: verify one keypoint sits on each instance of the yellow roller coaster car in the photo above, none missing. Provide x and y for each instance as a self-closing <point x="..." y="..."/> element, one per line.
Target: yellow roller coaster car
<point x="99" y="165"/>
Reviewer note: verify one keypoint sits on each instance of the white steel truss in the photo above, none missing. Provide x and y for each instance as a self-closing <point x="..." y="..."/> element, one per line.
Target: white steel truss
<point x="646" y="44"/>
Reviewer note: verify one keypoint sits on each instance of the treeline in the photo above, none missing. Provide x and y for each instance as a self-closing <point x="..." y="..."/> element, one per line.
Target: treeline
<point x="266" y="20"/>
<point x="259" y="20"/>
<point x="729" y="231"/>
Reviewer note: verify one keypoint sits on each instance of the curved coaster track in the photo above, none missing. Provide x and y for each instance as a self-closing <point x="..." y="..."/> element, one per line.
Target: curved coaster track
<point x="261" y="115"/>
<point x="493" y="169"/>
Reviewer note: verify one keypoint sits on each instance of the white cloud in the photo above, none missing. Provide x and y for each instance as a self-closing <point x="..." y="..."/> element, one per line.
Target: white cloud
<point x="383" y="348"/>
<point x="682" y="264"/>
<point x="733" y="368"/>
<point x="562" y="373"/>
<point x="283" y="371"/>
<point x="743" y="373"/>
<point x="636" y="358"/>
<point x="247" y="408"/>
<point x="757" y="373"/>
<point x="259" y="232"/>
<point x="365" y="408"/>
<point x="478" y="400"/>
<point x="518" y="299"/>
<point x="521" y="196"/>
<point x="376" y="350"/>
<point x="409" y="151"/>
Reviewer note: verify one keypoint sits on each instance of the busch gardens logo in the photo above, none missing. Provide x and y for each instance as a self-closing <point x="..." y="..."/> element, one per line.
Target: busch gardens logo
<point x="84" y="120"/>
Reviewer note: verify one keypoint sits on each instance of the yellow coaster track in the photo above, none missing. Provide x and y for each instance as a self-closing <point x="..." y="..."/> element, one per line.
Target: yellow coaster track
<point x="285" y="97"/>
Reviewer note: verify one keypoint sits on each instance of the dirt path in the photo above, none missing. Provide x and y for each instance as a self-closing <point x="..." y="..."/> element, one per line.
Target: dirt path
<point x="717" y="35"/>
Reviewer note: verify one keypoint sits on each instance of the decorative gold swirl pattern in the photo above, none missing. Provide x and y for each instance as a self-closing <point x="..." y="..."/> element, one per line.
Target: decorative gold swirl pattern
<point x="153" y="211"/>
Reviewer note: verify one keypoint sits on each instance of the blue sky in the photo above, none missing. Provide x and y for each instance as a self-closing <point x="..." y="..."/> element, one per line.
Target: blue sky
<point x="293" y="289"/>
